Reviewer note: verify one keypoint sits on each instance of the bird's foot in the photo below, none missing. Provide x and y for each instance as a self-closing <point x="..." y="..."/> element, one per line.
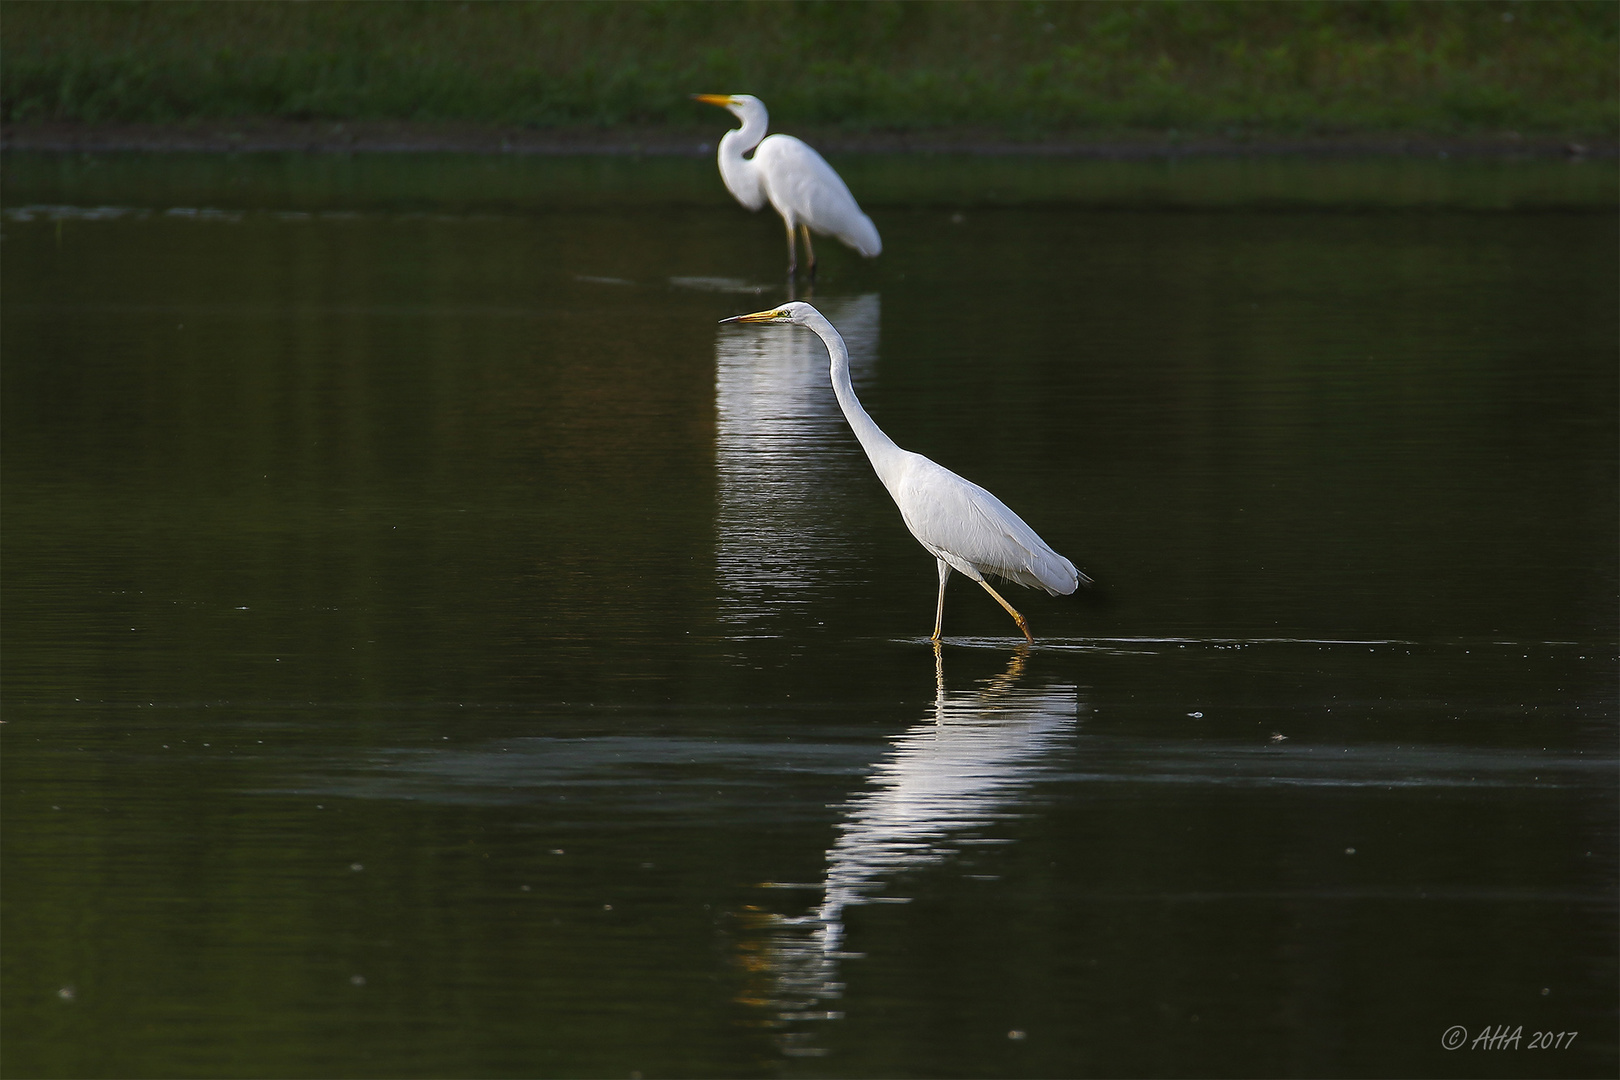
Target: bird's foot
<point x="1023" y="624"/>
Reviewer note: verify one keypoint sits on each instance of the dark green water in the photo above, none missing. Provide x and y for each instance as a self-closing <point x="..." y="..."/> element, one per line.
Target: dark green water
<point x="434" y="647"/>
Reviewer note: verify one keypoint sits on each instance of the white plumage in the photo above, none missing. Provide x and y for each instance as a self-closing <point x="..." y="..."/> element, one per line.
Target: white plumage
<point x="974" y="532"/>
<point x="793" y="178"/>
<point x="962" y="525"/>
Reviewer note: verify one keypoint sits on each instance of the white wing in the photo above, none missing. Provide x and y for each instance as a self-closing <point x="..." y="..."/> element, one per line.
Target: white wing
<point x="973" y="531"/>
<point x="804" y="188"/>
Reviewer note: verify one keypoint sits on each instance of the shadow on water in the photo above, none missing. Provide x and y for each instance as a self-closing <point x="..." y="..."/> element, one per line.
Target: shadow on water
<point x="425" y="628"/>
<point x="786" y="464"/>
<point x="943" y="785"/>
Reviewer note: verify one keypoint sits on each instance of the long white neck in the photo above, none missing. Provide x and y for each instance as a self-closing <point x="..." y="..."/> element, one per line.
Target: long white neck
<point x="741" y="175"/>
<point x="881" y="451"/>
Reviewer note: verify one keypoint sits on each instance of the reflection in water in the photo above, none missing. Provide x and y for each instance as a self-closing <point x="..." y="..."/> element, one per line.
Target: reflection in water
<point x="785" y="460"/>
<point x="970" y="763"/>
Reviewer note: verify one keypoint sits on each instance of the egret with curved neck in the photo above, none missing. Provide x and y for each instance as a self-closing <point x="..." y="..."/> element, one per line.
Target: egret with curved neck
<point x="792" y="177"/>
<point x="962" y="525"/>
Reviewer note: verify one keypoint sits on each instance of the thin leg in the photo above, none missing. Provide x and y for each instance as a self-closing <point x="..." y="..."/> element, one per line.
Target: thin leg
<point x="1017" y="618"/>
<point x="939" y="684"/>
<point x="1015" y="669"/>
<point x="939" y="612"/>
<point x="809" y="250"/>
<point x="793" y="251"/>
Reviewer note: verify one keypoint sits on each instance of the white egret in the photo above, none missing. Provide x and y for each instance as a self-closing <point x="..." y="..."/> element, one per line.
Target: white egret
<point x="962" y="525"/>
<point x="793" y="178"/>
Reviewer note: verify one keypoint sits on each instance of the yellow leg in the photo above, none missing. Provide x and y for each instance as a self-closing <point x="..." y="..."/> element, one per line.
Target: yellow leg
<point x="939" y="612"/>
<point x="793" y="251"/>
<point x="1015" y="669"/>
<point x="809" y="251"/>
<point x="1017" y="618"/>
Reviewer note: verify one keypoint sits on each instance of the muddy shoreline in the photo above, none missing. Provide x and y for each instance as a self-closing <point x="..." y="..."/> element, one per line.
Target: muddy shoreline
<point x="384" y="137"/>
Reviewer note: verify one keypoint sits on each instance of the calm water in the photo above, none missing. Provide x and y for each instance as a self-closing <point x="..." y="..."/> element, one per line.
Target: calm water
<point x="434" y="647"/>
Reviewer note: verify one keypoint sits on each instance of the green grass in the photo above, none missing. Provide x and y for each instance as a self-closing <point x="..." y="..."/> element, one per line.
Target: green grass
<point x="1030" y="69"/>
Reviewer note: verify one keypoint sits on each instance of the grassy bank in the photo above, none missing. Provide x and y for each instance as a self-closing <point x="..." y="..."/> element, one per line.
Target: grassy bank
<point x="1025" y="69"/>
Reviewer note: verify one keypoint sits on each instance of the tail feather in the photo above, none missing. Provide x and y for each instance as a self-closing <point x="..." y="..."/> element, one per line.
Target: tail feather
<point x="863" y="236"/>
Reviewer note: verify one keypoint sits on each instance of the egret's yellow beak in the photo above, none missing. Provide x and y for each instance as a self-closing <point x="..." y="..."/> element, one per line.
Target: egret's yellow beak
<point x="722" y="100"/>
<point x="759" y="316"/>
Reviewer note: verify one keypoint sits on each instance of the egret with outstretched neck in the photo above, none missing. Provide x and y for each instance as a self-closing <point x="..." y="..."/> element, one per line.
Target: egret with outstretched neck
<point x="962" y="525"/>
<point x="792" y="177"/>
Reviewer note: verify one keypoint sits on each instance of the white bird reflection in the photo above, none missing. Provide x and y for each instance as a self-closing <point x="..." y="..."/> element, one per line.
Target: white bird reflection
<point x="786" y="462"/>
<point x="946" y="780"/>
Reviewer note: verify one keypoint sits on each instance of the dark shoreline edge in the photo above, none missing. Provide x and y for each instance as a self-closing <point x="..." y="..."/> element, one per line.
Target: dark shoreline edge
<point x="385" y="137"/>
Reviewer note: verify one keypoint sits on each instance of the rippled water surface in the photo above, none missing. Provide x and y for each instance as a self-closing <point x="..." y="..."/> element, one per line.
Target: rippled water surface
<point x="434" y="647"/>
